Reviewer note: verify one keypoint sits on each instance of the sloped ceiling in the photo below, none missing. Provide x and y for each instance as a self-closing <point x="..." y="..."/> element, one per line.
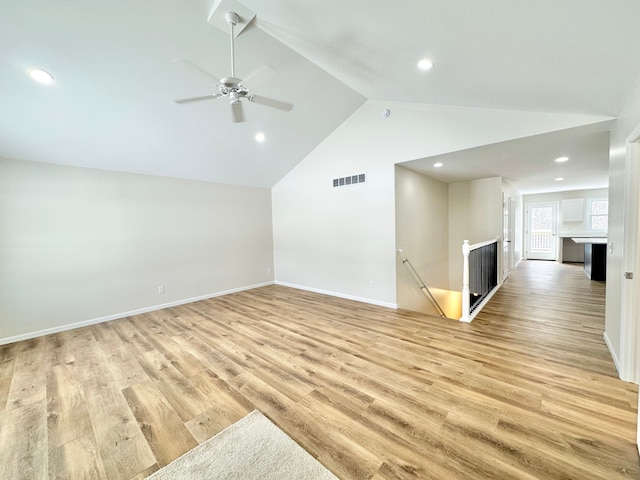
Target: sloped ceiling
<point x="111" y="105"/>
<point x="570" y="56"/>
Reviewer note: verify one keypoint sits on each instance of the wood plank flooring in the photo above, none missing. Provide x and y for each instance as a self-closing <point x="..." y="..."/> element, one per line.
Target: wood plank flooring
<point x="526" y="391"/>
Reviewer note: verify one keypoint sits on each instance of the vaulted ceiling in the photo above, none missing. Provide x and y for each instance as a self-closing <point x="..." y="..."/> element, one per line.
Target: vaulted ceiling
<point x="111" y="105"/>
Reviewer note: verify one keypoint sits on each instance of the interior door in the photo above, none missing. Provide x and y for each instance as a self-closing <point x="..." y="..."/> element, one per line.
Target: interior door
<point x="542" y="221"/>
<point x="507" y="236"/>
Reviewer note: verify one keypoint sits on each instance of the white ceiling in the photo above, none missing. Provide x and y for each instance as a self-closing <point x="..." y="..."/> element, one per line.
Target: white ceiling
<point x="529" y="164"/>
<point x="111" y="105"/>
<point x="570" y="56"/>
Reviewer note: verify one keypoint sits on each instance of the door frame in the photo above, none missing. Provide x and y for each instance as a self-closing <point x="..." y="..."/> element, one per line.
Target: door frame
<point x="554" y="229"/>
<point x="630" y="294"/>
<point x="629" y="360"/>
<point x="508" y="238"/>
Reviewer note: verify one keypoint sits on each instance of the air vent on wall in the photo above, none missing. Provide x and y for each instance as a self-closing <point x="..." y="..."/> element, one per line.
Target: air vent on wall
<point x="350" y="180"/>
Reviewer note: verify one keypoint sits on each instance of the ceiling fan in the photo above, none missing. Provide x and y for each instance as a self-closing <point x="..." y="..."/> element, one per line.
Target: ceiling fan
<point x="232" y="86"/>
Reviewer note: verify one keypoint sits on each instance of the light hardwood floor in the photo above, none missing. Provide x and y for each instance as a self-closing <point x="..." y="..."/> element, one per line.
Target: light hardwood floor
<point x="526" y="391"/>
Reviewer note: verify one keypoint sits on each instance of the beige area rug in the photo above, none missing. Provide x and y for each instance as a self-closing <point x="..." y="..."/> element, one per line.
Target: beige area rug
<point x="252" y="448"/>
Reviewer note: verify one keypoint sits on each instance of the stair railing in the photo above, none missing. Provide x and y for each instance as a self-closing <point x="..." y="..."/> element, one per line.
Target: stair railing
<point x="420" y="282"/>
<point x="480" y="278"/>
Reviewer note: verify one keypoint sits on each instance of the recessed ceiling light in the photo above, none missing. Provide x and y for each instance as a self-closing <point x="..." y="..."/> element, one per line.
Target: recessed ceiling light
<point x="438" y="164"/>
<point x="425" y="64"/>
<point x="260" y="137"/>
<point x="562" y="159"/>
<point x="559" y="179"/>
<point x="41" y="76"/>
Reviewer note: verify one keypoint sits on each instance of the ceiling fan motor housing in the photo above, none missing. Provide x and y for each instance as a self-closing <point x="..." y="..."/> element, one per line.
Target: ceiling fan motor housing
<point x="230" y="82"/>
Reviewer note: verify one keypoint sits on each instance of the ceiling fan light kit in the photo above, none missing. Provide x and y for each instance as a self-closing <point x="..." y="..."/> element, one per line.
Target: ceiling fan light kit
<point x="233" y="86"/>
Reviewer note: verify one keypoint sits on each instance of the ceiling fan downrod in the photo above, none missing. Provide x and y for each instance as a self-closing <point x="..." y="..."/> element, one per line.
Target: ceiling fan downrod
<point x="232" y="19"/>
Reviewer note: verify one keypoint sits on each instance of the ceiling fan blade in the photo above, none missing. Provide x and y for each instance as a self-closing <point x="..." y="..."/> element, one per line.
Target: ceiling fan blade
<point x="213" y="96"/>
<point x="196" y="68"/>
<point x="237" y="112"/>
<point x="260" y="75"/>
<point x="270" y="102"/>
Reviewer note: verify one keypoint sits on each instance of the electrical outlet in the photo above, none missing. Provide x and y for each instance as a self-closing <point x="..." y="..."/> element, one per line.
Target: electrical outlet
<point x="371" y="284"/>
<point x="269" y="270"/>
<point x="161" y="289"/>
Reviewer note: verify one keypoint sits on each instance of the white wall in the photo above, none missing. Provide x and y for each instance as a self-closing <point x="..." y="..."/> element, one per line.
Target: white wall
<point x="422" y="231"/>
<point x="475" y="214"/>
<point x="620" y="172"/>
<point x="338" y="240"/>
<point x="569" y="251"/>
<point x="82" y="245"/>
<point x="573" y="228"/>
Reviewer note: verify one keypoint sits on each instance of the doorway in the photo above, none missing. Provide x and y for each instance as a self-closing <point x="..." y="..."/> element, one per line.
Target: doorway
<point x="507" y="236"/>
<point x="542" y="221"/>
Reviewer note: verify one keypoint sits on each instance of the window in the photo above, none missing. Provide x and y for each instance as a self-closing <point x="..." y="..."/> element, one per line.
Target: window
<point x="599" y="214"/>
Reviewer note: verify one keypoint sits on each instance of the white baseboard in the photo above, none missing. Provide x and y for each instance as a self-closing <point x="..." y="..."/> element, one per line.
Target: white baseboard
<point x="93" y="321"/>
<point x="339" y="295"/>
<point x="612" y="352"/>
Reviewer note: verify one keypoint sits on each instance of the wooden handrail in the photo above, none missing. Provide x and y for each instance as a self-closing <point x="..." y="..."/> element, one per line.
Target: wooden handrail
<point x="420" y="282"/>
